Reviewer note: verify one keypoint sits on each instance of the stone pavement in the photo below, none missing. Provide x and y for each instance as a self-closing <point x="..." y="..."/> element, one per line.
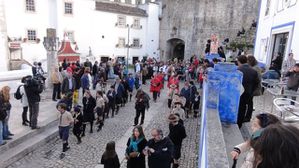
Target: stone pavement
<point x="118" y="129"/>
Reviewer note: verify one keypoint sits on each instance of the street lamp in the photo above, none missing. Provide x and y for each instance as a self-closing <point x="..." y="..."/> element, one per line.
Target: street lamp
<point x="128" y="49"/>
<point x="51" y="44"/>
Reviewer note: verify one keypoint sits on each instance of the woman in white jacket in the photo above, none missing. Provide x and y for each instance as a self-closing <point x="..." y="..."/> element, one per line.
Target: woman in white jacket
<point x="260" y="122"/>
<point x="24" y="102"/>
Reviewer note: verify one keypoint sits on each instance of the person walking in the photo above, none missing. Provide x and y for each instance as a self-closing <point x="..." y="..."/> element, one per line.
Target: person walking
<point x="89" y="103"/>
<point x="99" y="109"/>
<point x="186" y="93"/>
<point x="109" y="158"/>
<point x="56" y="81"/>
<point x="78" y="123"/>
<point x="177" y="133"/>
<point x="135" y="146"/>
<point x="120" y="92"/>
<point x="65" y="121"/>
<point x="86" y="80"/>
<point x="33" y="89"/>
<point x="111" y="95"/>
<point x="159" y="150"/>
<point x="155" y="87"/>
<point x="250" y="83"/>
<point x="131" y="82"/>
<point x="77" y="79"/>
<point x="140" y="106"/>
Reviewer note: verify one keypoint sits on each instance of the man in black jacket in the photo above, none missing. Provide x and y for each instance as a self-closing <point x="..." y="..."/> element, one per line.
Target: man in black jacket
<point x="33" y="88"/>
<point x="250" y="83"/>
<point x="177" y="133"/>
<point x="159" y="150"/>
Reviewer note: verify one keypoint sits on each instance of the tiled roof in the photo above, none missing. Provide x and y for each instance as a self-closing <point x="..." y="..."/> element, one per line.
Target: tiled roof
<point x="118" y="8"/>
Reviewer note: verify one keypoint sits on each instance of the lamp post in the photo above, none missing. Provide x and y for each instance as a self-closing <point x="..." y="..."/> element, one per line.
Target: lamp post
<point x="51" y="44"/>
<point x="128" y="49"/>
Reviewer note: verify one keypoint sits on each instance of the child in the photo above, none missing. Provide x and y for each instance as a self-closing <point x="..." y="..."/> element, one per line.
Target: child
<point x="110" y="158"/>
<point x="99" y="109"/>
<point x="196" y="103"/>
<point x="179" y="110"/>
<point x="260" y="122"/>
<point x="65" y="119"/>
<point x="78" y="123"/>
<point x="67" y="100"/>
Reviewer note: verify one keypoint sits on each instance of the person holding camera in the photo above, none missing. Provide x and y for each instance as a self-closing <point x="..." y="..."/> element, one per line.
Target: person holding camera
<point x="135" y="146"/>
<point x="159" y="150"/>
<point x="33" y="89"/>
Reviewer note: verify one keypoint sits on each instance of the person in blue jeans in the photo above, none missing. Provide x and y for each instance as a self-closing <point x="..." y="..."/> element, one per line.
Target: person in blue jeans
<point x="5" y="107"/>
<point x="2" y="142"/>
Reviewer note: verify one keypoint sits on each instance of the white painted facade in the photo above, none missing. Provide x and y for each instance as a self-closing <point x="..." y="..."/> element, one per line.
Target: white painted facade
<point x="277" y="18"/>
<point x="91" y="28"/>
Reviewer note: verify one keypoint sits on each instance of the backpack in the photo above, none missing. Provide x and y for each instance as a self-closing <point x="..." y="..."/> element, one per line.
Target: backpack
<point x="18" y="94"/>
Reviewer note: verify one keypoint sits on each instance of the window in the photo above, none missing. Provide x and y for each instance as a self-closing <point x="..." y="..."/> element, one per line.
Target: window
<point x="136" y="23"/>
<point x="116" y="0"/>
<point x="136" y="43"/>
<point x="30" y="5"/>
<point x="70" y="35"/>
<point x="121" y="21"/>
<point x="68" y="8"/>
<point x="268" y="7"/>
<point x="121" y="42"/>
<point x="128" y="1"/>
<point x="138" y="2"/>
<point x="31" y="35"/>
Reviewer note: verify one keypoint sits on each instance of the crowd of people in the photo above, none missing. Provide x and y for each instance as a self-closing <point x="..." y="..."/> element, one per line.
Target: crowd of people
<point x="182" y="102"/>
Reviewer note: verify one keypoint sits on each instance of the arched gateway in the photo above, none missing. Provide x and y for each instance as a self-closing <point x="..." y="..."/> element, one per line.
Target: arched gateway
<point x="175" y="49"/>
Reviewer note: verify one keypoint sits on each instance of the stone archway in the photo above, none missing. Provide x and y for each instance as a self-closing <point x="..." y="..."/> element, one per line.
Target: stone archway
<point x="175" y="49"/>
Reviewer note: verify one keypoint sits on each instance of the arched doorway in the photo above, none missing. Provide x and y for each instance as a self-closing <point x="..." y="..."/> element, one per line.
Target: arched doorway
<point x="175" y="49"/>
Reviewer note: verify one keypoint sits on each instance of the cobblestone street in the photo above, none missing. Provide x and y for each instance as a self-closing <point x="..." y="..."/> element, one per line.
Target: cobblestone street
<point x="89" y="152"/>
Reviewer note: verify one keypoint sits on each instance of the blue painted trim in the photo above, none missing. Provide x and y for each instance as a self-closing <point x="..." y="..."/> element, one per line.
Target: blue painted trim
<point x="257" y="25"/>
<point x="284" y="25"/>
<point x="203" y="134"/>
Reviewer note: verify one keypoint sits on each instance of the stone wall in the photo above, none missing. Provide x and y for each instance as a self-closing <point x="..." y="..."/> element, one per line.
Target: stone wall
<point x="195" y="20"/>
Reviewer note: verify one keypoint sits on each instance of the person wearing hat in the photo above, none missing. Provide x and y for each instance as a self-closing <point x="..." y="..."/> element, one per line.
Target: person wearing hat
<point x="177" y="133"/>
<point x="78" y="123"/>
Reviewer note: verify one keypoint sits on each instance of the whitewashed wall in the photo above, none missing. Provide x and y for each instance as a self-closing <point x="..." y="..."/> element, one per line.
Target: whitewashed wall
<point x="87" y="24"/>
<point x="280" y="19"/>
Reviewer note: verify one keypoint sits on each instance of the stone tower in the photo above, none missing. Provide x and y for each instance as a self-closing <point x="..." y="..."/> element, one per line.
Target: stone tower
<point x="186" y="25"/>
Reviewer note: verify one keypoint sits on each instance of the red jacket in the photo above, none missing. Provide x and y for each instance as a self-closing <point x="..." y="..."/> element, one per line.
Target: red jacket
<point x="155" y="85"/>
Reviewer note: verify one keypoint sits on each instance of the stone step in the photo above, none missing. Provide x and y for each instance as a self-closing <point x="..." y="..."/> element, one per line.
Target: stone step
<point x="18" y="148"/>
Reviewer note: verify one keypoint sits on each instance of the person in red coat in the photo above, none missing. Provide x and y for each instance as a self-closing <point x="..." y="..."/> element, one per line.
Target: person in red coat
<point x="155" y="87"/>
<point x="173" y="82"/>
<point x="160" y="76"/>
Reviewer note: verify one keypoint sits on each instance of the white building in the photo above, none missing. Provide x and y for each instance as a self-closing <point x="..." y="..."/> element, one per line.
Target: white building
<point x="277" y="30"/>
<point x="114" y="28"/>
